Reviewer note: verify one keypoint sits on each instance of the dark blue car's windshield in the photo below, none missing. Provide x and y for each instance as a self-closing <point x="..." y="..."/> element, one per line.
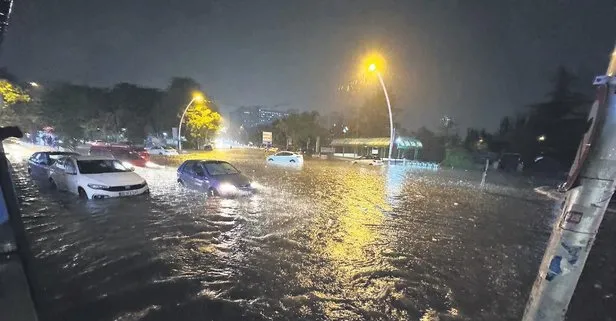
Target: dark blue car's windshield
<point x="220" y="168"/>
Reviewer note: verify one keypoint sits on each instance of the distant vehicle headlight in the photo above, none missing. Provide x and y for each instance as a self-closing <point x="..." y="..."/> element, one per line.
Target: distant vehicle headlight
<point x="226" y="189"/>
<point x="98" y="186"/>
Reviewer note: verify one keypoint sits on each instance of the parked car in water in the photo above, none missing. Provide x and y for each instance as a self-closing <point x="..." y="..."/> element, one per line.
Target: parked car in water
<point x="217" y="178"/>
<point x="39" y="163"/>
<point x="95" y="177"/>
<point x="368" y="160"/>
<point x="130" y="160"/>
<point x="113" y="149"/>
<point x="285" y="158"/>
<point x="160" y="150"/>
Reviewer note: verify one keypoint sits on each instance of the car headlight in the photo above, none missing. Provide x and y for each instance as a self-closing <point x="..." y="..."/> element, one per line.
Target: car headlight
<point x="255" y="185"/>
<point x="226" y="188"/>
<point x="98" y="186"/>
<point x="152" y="165"/>
<point x="127" y="165"/>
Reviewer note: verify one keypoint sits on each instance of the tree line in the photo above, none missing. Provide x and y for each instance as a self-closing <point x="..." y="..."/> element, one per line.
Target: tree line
<point x="122" y="112"/>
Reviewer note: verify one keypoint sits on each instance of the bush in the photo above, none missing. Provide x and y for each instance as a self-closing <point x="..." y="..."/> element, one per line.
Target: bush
<point x="458" y="157"/>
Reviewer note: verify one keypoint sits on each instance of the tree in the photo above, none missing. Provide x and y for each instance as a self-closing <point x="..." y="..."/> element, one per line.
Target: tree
<point x="131" y="110"/>
<point x="175" y="98"/>
<point x="433" y="146"/>
<point x="11" y="93"/>
<point x="203" y="122"/>
<point x="561" y="119"/>
<point x="504" y="127"/>
<point x="300" y="129"/>
<point x="371" y="119"/>
<point x="69" y="108"/>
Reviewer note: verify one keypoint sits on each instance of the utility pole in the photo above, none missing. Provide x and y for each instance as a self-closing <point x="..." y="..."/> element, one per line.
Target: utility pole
<point x="590" y="186"/>
<point x="5" y="13"/>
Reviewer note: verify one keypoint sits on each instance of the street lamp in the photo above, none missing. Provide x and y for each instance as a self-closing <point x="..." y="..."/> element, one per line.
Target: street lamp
<point x="372" y="67"/>
<point x="541" y="138"/>
<point x="196" y="97"/>
<point x="33" y="84"/>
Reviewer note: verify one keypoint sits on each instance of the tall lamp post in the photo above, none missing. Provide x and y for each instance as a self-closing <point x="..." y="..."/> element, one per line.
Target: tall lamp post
<point x="372" y="68"/>
<point x="198" y="97"/>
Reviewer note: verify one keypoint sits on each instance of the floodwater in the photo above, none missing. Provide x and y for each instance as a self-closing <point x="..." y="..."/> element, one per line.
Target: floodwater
<point x="329" y="241"/>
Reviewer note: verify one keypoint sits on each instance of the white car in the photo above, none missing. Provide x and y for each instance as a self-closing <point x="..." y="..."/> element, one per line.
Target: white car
<point x="368" y="160"/>
<point x="285" y="158"/>
<point x="96" y="177"/>
<point x="159" y="150"/>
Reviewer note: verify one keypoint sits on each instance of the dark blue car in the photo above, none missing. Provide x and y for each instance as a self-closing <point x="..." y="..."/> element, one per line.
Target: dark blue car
<point x="39" y="163"/>
<point x="214" y="177"/>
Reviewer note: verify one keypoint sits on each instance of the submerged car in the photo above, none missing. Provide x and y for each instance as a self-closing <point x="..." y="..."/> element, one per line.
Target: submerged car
<point x="217" y="178"/>
<point x="368" y="160"/>
<point x="285" y="158"/>
<point x="96" y="177"/>
<point x="39" y="163"/>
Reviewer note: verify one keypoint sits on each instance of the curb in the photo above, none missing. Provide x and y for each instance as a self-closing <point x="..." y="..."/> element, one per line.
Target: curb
<point x="553" y="194"/>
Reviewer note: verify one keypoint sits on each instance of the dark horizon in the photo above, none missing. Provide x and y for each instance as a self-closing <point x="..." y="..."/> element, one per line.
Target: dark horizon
<point x="474" y="62"/>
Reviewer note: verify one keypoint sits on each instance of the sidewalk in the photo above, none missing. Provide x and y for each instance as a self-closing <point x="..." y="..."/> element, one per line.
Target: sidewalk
<point x="15" y="300"/>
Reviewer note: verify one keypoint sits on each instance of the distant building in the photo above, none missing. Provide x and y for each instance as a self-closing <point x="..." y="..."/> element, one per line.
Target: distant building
<point x="254" y="116"/>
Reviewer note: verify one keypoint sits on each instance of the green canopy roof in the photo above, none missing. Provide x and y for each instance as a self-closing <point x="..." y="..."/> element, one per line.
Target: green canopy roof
<point x="401" y="142"/>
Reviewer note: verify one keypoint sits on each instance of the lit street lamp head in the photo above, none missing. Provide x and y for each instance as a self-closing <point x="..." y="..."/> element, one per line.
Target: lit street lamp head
<point x="198" y="97"/>
<point x="34" y="84"/>
<point x="373" y="62"/>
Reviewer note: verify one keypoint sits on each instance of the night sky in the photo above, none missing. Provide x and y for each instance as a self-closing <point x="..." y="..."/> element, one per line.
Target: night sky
<point x="472" y="60"/>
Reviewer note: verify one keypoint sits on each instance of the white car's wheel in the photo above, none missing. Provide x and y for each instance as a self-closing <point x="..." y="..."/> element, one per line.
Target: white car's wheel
<point x="82" y="193"/>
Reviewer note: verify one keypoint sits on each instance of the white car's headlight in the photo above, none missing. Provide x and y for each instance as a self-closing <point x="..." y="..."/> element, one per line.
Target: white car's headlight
<point x="226" y="188"/>
<point x="127" y="165"/>
<point x="98" y="186"/>
<point x="255" y="185"/>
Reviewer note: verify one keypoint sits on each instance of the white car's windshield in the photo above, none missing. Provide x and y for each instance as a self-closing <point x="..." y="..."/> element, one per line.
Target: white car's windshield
<point x="99" y="166"/>
<point x="220" y="168"/>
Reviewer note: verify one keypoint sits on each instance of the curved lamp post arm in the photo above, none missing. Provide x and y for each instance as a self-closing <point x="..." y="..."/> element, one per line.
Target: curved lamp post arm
<point x="391" y="120"/>
<point x="180" y="126"/>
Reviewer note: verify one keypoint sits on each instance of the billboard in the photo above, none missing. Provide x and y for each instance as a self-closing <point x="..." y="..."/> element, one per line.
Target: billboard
<point x="267" y="138"/>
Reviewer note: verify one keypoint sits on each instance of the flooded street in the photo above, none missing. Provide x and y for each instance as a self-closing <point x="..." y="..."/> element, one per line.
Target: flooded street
<point x="330" y="241"/>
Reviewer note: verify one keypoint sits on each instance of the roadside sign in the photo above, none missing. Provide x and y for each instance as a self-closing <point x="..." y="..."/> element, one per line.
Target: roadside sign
<point x="267" y="138"/>
<point x="327" y="150"/>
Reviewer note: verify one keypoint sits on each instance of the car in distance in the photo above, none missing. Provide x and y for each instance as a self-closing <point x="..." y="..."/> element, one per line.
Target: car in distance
<point x="217" y="178"/>
<point x="39" y="163"/>
<point x="285" y="158"/>
<point x="130" y="160"/>
<point x="160" y="150"/>
<point x="96" y="177"/>
<point x="368" y="160"/>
